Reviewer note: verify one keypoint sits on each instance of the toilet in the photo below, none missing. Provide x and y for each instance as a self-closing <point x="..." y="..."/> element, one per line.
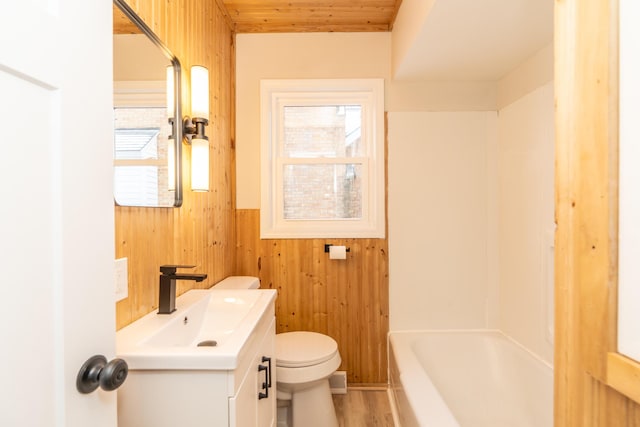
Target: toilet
<point x="304" y="363"/>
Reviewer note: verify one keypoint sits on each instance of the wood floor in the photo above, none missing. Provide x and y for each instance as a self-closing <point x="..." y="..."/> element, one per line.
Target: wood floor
<point x="363" y="408"/>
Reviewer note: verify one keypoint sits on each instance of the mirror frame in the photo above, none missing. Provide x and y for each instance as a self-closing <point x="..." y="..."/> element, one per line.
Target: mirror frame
<point x="176" y="123"/>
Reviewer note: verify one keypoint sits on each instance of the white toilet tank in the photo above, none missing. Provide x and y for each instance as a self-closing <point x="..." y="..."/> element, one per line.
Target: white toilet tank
<point x="238" y="282"/>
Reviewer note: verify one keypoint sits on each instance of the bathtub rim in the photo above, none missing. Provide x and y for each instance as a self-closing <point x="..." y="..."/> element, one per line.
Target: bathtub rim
<point x="391" y="392"/>
<point x="463" y="331"/>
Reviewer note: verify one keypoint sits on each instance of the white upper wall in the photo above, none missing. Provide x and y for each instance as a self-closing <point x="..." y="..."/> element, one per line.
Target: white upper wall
<point x="441" y="96"/>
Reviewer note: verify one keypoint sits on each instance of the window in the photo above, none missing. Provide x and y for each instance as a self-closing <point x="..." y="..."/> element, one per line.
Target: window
<point x="322" y="158"/>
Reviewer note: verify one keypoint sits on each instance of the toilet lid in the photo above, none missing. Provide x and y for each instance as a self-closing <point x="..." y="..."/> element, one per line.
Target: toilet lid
<point x="300" y="349"/>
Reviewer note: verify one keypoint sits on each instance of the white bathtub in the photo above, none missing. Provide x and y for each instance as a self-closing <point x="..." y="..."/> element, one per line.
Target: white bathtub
<point x="467" y="379"/>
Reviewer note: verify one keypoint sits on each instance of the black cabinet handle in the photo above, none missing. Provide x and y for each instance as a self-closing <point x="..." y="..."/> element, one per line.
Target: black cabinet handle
<point x="268" y="360"/>
<point x="265" y="386"/>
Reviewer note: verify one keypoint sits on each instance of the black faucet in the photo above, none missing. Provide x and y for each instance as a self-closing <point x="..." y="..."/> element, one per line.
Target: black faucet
<point x="167" y="300"/>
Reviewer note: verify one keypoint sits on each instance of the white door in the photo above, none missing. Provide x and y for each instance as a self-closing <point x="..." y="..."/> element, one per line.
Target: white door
<point x="56" y="210"/>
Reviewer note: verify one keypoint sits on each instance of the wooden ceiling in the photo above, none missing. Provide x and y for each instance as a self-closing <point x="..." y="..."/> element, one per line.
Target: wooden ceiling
<point x="279" y="16"/>
<point x="289" y="16"/>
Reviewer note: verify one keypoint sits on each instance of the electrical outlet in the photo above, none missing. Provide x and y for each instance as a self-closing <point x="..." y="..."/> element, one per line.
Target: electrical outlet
<point x="121" y="279"/>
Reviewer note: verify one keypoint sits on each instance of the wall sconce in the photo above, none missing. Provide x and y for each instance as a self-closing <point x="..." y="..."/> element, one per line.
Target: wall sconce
<point x="194" y="128"/>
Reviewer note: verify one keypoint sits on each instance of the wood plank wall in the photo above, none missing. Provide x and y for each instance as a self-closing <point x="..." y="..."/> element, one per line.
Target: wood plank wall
<point x="202" y="231"/>
<point x="586" y="214"/>
<point x="347" y="300"/>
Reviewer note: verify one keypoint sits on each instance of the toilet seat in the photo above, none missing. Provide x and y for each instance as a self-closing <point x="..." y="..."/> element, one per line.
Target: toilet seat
<point x="303" y="349"/>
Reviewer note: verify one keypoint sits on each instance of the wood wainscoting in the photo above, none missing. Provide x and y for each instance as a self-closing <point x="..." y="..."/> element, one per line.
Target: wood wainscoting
<point x="345" y="299"/>
<point x="202" y="231"/>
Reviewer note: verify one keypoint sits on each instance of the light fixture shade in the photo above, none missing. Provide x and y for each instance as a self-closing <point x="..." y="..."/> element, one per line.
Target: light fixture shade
<point x="171" y="103"/>
<point x="199" y="164"/>
<point x="199" y="92"/>
<point x="171" y="164"/>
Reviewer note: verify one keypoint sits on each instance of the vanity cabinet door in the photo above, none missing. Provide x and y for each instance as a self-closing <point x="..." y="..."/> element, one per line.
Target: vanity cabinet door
<point x="254" y="405"/>
<point x="244" y="405"/>
<point x="266" y="416"/>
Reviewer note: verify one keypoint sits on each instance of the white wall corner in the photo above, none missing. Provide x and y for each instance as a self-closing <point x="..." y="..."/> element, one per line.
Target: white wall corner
<point x="534" y="72"/>
<point x="493" y="218"/>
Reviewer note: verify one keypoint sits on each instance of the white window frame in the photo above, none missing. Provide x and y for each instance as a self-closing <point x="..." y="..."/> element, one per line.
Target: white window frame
<point x="274" y="95"/>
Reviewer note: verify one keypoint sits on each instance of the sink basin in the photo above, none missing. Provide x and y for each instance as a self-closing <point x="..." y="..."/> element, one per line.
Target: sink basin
<point x="220" y="320"/>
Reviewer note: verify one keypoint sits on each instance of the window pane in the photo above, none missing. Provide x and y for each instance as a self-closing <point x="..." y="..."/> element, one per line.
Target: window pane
<point x="323" y="191"/>
<point x="322" y="131"/>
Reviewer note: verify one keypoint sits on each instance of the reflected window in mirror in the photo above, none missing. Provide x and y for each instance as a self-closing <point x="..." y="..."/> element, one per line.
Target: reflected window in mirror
<point x="141" y="157"/>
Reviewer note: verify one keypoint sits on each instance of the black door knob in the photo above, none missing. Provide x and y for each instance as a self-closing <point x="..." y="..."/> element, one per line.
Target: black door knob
<point x="96" y="372"/>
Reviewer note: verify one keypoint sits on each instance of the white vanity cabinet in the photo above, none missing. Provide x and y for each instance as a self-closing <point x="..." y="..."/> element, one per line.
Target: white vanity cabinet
<point x="207" y="397"/>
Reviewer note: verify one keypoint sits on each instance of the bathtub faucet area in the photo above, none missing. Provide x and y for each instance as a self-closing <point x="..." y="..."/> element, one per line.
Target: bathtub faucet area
<point x="168" y="277"/>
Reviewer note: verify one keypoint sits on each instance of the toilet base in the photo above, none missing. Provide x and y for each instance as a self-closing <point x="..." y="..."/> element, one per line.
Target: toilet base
<point x="313" y="406"/>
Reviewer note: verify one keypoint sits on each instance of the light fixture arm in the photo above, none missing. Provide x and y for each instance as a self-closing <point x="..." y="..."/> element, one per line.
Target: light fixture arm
<point x="194" y="128"/>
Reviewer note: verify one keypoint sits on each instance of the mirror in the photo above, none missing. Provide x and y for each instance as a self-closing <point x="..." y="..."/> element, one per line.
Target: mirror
<point x="147" y="139"/>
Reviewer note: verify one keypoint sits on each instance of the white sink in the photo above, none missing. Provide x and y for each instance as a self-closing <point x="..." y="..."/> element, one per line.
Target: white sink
<point x="220" y="320"/>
